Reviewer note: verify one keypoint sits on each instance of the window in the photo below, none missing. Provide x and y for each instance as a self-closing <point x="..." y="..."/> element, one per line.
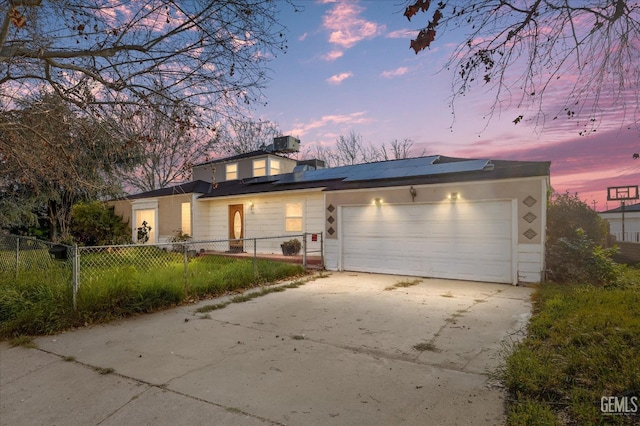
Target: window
<point x="293" y="217"/>
<point x="232" y="171"/>
<point x="275" y="167"/>
<point x="186" y="218"/>
<point x="259" y="168"/>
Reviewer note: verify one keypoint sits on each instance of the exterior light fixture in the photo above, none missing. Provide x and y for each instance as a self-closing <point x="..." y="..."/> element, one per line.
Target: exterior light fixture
<point x="453" y="196"/>
<point x="413" y="193"/>
<point x="377" y="201"/>
<point x="251" y="205"/>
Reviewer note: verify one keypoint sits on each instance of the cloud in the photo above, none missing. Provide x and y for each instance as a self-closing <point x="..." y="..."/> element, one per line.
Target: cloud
<point x="395" y="73"/>
<point x="339" y="78"/>
<point x="330" y="120"/>
<point x="404" y="33"/>
<point x="303" y="37"/>
<point x="346" y="27"/>
<point x="333" y="55"/>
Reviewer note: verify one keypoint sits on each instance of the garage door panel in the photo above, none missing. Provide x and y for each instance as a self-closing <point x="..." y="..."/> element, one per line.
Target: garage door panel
<point x="462" y="240"/>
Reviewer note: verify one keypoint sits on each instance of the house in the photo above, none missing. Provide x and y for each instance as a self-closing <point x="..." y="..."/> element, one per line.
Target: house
<point x="631" y="222"/>
<point x="435" y="216"/>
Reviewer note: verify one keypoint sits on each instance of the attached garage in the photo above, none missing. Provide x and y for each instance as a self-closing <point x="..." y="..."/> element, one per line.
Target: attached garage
<point x="449" y="239"/>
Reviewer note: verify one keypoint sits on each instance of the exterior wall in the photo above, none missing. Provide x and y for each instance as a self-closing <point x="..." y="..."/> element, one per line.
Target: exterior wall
<point x="168" y="213"/>
<point x="217" y="170"/>
<point x="529" y="194"/>
<point x="631" y="225"/>
<point x="265" y="219"/>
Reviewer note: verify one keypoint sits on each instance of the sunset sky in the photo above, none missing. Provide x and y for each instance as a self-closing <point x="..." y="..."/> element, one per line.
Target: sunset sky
<point x="349" y="68"/>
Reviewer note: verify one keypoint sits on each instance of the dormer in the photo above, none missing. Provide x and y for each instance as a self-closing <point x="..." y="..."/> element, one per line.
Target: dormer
<point x="243" y="166"/>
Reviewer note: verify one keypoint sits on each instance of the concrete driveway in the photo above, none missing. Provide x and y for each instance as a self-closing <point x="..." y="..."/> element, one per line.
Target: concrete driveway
<point x="335" y="351"/>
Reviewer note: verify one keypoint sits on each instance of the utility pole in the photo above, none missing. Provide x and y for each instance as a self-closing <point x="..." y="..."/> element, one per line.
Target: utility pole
<point x="594" y="205"/>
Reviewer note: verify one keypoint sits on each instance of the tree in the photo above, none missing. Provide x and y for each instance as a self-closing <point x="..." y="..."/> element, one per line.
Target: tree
<point x="99" y="53"/>
<point x="51" y="158"/>
<point x="242" y="136"/>
<point x="399" y="149"/>
<point x="586" y="51"/>
<point x="351" y="149"/>
<point x="167" y="143"/>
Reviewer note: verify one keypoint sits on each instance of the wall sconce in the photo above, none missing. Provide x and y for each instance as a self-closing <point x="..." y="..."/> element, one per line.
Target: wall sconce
<point x="251" y="205"/>
<point x="377" y="201"/>
<point x="413" y="193"/>
<point x="453" y="196"/>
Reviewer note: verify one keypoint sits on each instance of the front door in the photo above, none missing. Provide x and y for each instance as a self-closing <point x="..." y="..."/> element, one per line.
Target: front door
<point x="236" y="228"/>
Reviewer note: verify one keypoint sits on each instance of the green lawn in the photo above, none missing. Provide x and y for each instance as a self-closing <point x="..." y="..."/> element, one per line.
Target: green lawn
<point x="583" y="344"/>
<point x="39" y="300"/>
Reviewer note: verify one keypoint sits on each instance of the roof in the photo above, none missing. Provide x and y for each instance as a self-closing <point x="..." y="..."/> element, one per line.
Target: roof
<point x="196" y="186"/>
<point x="627" y="209"/>
<point x="257" y="153"/>
<point x="411" y="171"/>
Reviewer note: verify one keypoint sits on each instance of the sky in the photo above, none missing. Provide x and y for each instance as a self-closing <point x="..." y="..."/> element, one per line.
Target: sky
<point x="349" y="67"/>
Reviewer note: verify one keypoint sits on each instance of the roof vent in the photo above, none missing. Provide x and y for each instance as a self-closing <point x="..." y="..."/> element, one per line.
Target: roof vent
<point x="489" y="166"/>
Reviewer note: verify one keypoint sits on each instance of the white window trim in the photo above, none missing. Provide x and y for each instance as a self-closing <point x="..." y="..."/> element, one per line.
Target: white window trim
<point x="261" y="168"/>
<point x="226" y="171"/>
<point x="302" y="208"/>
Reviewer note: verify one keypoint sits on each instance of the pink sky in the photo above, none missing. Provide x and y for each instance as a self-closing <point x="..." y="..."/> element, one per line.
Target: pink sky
<point x="349" y="68"/>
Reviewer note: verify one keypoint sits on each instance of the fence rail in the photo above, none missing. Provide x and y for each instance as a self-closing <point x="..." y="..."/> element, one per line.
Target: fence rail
<point x="86" y="265"/>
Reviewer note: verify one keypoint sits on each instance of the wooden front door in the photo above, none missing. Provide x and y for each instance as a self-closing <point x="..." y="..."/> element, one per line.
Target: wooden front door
<point x="236" y="228"/>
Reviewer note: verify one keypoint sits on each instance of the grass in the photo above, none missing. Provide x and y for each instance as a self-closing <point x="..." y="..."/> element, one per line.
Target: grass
<point x="23" y="341"/>
<point x="403" y="284"/>
<point x="583" y="344"/>
<point x="425" y="346"/>
<point x="36" y="301"/>
<point x="249" y="296"/>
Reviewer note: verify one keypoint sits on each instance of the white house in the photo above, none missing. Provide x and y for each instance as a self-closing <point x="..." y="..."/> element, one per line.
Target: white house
<point x="435" y="216"/>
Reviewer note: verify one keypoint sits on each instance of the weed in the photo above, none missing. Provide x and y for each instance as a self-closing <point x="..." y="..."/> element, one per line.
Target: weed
<point x="425" y="346"/>
<point x="23" y="341"/>
<point x="447" y="294"/>
<point x="209" y="308"/>
<point x="297" y="337"/>
<point x="402" y="284"/>
<point x="38" y="299"/>
<point x="103" y="370"/>
<point x="69" y="358"/>
<point x="583" y="343"/>
<point x="205" y="316"/>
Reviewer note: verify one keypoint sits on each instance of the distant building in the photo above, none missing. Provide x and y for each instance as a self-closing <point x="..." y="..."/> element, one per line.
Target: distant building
<point x="631" y="222"/>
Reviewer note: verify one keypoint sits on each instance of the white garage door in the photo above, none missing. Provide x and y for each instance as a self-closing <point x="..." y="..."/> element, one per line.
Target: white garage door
<point x="461" y="240"/>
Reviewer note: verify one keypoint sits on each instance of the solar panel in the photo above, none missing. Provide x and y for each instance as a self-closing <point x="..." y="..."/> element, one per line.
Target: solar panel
<point x="423" y="166"/>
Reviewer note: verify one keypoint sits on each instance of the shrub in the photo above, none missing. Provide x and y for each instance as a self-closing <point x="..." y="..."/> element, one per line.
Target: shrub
<point x="578" y="259"/>
<point x="575" y="235"/>
<point x="94" y="224"/>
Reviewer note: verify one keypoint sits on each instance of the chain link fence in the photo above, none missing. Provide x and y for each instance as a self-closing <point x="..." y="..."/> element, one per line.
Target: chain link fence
<point x="179" y="260"/>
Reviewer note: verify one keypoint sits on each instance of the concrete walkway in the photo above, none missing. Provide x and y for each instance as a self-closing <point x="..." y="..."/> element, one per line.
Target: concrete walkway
<point x="336" y="351"/>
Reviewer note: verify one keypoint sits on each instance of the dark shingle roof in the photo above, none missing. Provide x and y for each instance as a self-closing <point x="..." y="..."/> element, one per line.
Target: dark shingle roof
<point x="196" y="186"/>
<point x="627" y="209"/>
<point x="413" y="171"/>
<point x="257" y="153"/>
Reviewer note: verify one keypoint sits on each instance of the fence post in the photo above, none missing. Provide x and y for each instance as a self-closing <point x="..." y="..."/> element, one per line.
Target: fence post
<point x="304" y="250"/>
<point x="185" y="248"/>
<point x="255" y="259"/>
<point x="75" y="271"/>
<point x="17" y="256"/>
<point x="322" y="250"/>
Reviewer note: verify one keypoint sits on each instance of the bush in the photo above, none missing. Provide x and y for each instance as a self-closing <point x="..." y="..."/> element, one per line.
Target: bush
<point x="94" y="224"/>
<point x="578" y="259"/>
<point x="575" y="235"/>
